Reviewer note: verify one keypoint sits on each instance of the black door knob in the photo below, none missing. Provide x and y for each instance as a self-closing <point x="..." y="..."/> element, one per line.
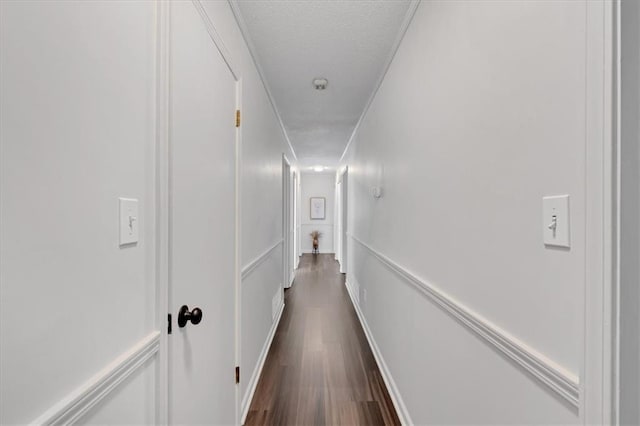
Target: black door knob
<point x="184" y="316"/>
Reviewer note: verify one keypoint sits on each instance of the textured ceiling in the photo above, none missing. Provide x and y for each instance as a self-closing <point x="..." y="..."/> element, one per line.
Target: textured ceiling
<point x="347" y="42"/>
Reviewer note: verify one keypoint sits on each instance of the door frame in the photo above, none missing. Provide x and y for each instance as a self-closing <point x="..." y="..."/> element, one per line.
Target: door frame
<point x="287" y="257"/>
<point x="627" y="305"/>
<point x="163" y="175"/>
<point x="598" y="373"/>
<point x="298" y="212"/>
<point x="337" y="255"/>
<point x="295" y="221"/>
<point x="344" y="211"/>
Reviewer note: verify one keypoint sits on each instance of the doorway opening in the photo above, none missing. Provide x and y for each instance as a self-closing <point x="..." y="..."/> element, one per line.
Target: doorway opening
<point x="344" y="193"/>
<point x="288" y="213"/>
<point x="295" y="225"/>
<point x="341" y="220"/>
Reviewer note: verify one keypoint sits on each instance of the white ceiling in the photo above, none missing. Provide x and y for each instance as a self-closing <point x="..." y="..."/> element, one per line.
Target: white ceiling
<point x="348" y="42"/>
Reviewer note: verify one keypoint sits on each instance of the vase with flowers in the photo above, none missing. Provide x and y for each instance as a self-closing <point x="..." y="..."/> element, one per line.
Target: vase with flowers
<point x="315" y="238"/>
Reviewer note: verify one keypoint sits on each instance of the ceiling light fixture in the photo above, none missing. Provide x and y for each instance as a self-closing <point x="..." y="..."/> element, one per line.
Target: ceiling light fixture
<point x="320" y="83"/>
<point x="318" y="168"/>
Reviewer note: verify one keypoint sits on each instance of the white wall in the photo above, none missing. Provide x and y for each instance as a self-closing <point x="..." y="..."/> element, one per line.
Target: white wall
<point x="630" y="216"/>
<point x="480" y="115"/>
<point x="77" y="130"/>
<point x="263" y="143"/>
<point x="317" y="185"/>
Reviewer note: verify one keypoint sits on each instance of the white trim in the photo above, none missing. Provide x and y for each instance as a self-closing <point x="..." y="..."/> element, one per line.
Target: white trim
<point x="74" y="406"/>
<point x="394" y="393"/>
<point x="599" y="339"/>
<point x="247" y="39"/>
<point x="251" y="266"/>
<point x="617" y="206"/>
<point x="287" y="221"/>
<point x="408" y="17"/>
<point x="549" y="373"/>
<point x="257" y="371"/>
<point x="343" y="220"/>
<point x="238" y="252"/>
<point x="217" y="40"/>
<point x="162" y="202"/>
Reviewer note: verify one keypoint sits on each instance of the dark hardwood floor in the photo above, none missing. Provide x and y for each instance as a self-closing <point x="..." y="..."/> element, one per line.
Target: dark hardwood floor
<point x="320" y="369"/>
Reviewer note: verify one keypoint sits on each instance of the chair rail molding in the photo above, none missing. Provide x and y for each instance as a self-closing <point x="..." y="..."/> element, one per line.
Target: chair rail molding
<point x="251" y="266"/>
<point x="549" y="373"/>
<point x="75" y="405"/>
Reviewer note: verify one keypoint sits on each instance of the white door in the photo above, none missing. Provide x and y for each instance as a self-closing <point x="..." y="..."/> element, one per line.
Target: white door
<point x="202" y="224"/>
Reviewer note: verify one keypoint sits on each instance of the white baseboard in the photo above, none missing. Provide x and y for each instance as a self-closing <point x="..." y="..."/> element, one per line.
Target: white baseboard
<point x="257" y="371"/>
<point x="291" y="280"/>
<point x="354" y="289"/>
<point x="394" y="393"/>
<point x="74" y="406"/>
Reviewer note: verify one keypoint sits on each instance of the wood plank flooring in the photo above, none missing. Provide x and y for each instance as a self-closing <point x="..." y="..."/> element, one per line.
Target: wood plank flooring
<point x="320" y="369"/>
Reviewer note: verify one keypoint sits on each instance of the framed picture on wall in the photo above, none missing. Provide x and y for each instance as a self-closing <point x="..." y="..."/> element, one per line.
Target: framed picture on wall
<point x="317" y="211"/>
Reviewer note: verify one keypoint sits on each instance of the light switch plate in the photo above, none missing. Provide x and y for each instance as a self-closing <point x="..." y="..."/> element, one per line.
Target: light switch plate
<point x="129" y="221"/>
<point x="555" y="221"/>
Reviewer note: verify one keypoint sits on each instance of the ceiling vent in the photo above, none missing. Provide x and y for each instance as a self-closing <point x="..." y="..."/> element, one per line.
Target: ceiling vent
<point x="320" y="83"/>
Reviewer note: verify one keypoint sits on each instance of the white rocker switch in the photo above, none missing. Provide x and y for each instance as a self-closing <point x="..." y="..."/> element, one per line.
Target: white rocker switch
<point x="555" y="221"/>
<point x="129" y="221"/>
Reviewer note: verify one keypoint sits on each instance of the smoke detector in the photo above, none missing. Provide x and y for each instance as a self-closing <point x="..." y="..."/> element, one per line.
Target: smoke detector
<point x="320" y="83"/>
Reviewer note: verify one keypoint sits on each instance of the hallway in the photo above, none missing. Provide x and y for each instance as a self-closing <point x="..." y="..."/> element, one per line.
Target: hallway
<point x="466" y="172"/>
<point x="320" y="369"/>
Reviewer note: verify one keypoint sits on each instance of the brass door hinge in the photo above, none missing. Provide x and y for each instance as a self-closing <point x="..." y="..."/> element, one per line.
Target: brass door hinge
<point x="237" y="118"/>
<point x="237" y="375"/>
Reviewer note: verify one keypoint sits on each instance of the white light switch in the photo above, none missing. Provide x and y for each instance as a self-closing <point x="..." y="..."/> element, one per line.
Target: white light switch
<point x="555" y="221"/>
<point x="129" y="221"/>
